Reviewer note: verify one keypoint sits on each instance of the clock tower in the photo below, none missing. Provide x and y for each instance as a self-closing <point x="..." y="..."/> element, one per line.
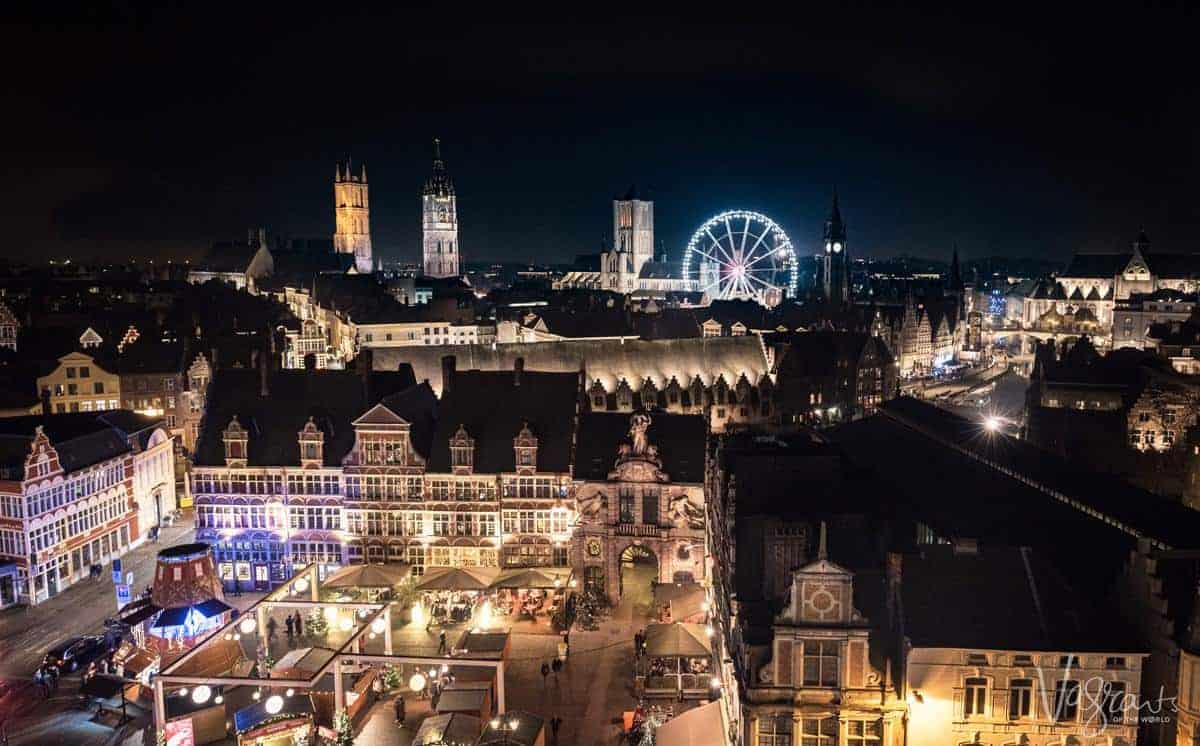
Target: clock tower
<point x="836" y="268"/>
<point x="439" y="221"/>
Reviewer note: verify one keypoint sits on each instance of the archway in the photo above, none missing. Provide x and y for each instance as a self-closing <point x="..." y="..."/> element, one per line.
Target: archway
<point x="639" y="570"/>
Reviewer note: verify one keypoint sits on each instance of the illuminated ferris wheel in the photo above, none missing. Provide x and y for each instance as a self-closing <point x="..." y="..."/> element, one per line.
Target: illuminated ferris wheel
<point x="740" y="254"/>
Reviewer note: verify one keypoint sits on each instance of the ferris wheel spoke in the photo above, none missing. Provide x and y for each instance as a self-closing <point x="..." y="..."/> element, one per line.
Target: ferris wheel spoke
<point x="719" y="247"/>
<point x="745" y="232"/>
<point x="711" y="257"/>
<point x="729" y="234"/>
<point x="767" y="255"/>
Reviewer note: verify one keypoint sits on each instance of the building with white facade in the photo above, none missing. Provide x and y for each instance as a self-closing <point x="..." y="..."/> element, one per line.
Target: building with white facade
<point x="76" y="491"/>
<point x="439" y="222"/>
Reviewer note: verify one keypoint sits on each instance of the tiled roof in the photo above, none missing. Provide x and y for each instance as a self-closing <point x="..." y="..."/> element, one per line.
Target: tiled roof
<point x="332" y="398"/>
<point x="81" y="439"/>
<point x="609" y="361"/>
<point x="493" y="407"/>
<point x="1004" y="598"/>
<point x="1106" y="266"/>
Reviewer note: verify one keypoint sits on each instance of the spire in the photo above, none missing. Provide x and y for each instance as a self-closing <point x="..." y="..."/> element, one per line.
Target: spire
<point x="955" y="273"/>
<point x="438" y="184"/>
<point x="1142" y="244"/>
<point x="337" y="171"/>
<point x="364" y="173"/>
<point x="822" y="554"/>
<point x="835" y="229"/>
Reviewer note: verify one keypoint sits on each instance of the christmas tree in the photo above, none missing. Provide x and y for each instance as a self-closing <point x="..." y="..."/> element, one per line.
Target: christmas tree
<point x="316" y="624"/>
<point x="344" y="732"/>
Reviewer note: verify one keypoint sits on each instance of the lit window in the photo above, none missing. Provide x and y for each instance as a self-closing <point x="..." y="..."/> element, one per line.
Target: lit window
<point x="975" y="697"/>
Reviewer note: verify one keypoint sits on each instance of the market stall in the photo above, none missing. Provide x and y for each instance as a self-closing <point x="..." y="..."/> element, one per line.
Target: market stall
<point x="454" y="595"/>
<point x="369" y="582"/>
<point x="455" y="727"/>
<point x="677" y="658"/>
<point x="531" y="594"/>
<point x="702" y="726"/>
<point x="277" y="720"/>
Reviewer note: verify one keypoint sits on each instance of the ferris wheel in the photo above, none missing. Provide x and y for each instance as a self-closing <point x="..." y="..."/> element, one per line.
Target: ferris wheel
<point x="742" y="255"/>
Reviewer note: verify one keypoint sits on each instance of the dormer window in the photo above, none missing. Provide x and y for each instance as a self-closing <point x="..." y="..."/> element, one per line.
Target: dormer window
<point x="312" y="446"/>
<point x="462" y="452"/>
<point x="525" y="447"/>
<point x="236" y="443"/>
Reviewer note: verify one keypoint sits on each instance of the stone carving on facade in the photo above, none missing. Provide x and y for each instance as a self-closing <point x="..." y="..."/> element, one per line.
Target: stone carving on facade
<point x="686" y="514"/>
<point x="638" y="460"/>
<point x="591" y="503"/>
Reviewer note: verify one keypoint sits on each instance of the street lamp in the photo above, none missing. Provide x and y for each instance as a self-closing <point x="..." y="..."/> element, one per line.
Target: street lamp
<point x="504" y="727"/>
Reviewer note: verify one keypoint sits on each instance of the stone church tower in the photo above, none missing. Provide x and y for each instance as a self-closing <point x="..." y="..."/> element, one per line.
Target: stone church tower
<point x="439" y="221"/>
<point x="836" y="269"/>
<point x="352" y="214"/>
<point x="633" y="243"/>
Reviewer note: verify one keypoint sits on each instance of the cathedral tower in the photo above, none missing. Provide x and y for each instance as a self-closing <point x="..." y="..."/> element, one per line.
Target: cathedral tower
<point x="439" y="221"/>
<point x="352" y="215"/>
<point x="633" y="242"/>
<point x="837" y="262"/>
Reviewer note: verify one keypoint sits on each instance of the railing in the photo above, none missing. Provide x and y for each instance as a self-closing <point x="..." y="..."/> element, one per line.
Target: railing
<point x="637" y="529"/>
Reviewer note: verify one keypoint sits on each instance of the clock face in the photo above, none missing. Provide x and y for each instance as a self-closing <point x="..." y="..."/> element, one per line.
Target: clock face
<point x="837" y="247"/>
<point x="828" y="247"/>
<point x="593" y="547"/>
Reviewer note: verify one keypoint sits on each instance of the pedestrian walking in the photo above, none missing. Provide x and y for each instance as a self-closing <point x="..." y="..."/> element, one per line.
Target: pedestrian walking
<point x="399" y="704"/>
<point x="299" y="625"/>
<point x="271" y="627"/>
<point x="555" y="724"/>
<point x="441" y="642"/>
<point x="291" y="627"/>
<point x="545" y="673"/>
<point x="556" y="666"/>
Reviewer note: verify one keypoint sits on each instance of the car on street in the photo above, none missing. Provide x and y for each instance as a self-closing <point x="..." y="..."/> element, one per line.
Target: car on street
<point x="75" y="652"/>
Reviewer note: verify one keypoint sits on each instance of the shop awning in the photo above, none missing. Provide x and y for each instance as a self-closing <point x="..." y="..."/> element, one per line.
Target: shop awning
<point x="677" y="640"/>
<point x="137" y="612"/>
<point x="368" y="576"/>
<point x="454" y="727"/>
<point x="457" y="578"/>
<point x="702" y="726"/>
<point x="306" y="661"/>
<point x="176" y="616"/>
<point x="249" y="718"/>
<point x="529" y="578"/>
<point x="212" y="607"/>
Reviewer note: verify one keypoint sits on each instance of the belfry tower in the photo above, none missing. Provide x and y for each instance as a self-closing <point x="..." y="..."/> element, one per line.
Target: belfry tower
<point x="439" y="221"/>
<point x="352" y="216"/>
<point x="837" y="262"/>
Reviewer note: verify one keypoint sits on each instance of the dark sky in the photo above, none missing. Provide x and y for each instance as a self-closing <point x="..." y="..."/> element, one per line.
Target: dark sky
<point x="1018" y="132"/>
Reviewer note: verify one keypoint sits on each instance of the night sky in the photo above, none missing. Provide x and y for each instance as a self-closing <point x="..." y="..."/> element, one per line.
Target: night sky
<point x="151" y="133"/>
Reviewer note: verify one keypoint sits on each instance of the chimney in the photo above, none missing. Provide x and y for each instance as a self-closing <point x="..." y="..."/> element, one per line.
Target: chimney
<point x="264" y="374"/>
<point x="518" y="369"/>
<point x="448" y="369"/>
<point x="366" y="359"/>
<point x="894" y="574"/>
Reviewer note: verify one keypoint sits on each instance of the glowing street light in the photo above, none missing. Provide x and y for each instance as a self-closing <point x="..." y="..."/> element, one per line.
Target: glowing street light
<point x="246" y="625"/>
<point x="201" y="694"/>
<point x="417" y="682"/>
<point x="992" y="424"/>
<point x="274" y="704"/>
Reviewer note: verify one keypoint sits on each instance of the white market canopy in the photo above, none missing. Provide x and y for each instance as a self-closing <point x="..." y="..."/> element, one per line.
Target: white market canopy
<point x="677" y="640"/>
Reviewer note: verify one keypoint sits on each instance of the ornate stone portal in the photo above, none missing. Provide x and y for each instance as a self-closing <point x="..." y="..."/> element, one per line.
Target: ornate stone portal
<point x="639" y="515"/>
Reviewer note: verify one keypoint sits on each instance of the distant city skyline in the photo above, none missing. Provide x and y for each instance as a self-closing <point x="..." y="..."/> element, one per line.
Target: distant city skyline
<point x="997" y="136"/>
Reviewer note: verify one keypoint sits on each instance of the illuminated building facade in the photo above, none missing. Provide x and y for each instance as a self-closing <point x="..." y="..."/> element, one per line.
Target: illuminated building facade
<point x="640" y="495"/>
<point x="439" y="221"/>
<point x="81" y="492"/>
<point x="357" y="469"/>
<point x="633" y="243"/>
<point x="352" y="216"/>
<point x="10" y="327"/>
